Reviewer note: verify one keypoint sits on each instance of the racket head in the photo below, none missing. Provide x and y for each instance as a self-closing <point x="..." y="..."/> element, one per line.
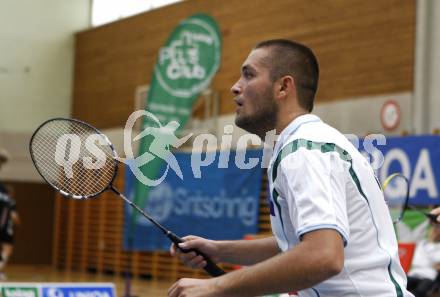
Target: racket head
<point x="397" y="203"/>
<point x="73" y="157"/>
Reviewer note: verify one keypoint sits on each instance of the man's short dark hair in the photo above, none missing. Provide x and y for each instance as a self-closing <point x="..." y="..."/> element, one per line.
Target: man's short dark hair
<point x="292" y="58"/>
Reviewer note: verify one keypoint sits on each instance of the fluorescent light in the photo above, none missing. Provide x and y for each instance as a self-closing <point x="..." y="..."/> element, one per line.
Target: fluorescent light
<point x="106" y="11"/>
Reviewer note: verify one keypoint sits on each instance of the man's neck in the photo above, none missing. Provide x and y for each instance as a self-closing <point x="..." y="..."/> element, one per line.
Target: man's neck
<point x="284" y="121"/>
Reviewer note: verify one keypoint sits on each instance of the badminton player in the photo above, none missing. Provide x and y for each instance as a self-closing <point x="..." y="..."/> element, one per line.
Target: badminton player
<point x="333" y="235"/>
<point x="8" y="217"/>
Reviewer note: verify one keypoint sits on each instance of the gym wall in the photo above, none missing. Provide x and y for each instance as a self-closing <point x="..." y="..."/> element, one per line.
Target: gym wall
<point x="365" y="48"/>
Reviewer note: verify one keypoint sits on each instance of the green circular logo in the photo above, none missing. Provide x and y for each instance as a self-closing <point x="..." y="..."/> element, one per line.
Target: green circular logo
<point x="190" y="58"/>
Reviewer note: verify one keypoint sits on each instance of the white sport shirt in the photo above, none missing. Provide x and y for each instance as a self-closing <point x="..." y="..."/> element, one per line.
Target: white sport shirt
<point x="319" y="180"/>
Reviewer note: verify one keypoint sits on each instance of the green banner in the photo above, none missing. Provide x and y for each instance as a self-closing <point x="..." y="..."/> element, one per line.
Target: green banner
<point x="413" y="227"/>
<point x="19" y="291"/>
<point x="185" y="67"/>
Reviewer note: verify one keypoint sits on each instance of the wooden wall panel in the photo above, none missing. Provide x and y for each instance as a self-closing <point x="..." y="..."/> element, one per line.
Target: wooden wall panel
<point x="34" y="235"/>
<point x="364" y="48"/>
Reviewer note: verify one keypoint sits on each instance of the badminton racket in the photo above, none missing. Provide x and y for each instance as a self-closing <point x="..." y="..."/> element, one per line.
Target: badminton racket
<point x="398" y="205"/>
<point x="80" y="162"/>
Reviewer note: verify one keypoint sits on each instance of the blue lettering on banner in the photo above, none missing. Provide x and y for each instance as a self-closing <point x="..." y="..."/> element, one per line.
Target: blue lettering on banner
<point x="222" y="204"/>
<point x="61" y="290"/>
<point x="416" y="157"/>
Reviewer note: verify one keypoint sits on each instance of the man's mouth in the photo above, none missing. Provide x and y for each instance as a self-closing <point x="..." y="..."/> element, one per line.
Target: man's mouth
<point x="238" y="102"/>
<point x="238" y="105"/>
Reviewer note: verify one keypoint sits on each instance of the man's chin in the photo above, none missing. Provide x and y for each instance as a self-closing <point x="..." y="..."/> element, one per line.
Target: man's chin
<point x="238" y="121"/>
<point x="245" y="124"/>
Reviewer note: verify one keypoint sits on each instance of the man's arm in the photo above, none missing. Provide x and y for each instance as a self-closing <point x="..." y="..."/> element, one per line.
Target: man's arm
<point x="248" y="252"/>
<point x="15" y="217"/>
<point x="241" y="252"/>
<point x="319" y="256"/>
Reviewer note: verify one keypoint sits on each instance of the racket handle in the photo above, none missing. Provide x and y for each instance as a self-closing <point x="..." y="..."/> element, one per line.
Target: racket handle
<point x="210" y="267"/>
<point x="432" y="217"/>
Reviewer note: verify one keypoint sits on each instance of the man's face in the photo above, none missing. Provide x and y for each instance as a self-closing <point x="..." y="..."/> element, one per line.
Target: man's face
<point x="256" y="110"/>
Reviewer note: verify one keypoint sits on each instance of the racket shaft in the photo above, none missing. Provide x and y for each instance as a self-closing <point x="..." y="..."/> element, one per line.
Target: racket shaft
<point x="157" y="224"/>
<point x="210" y="267"/>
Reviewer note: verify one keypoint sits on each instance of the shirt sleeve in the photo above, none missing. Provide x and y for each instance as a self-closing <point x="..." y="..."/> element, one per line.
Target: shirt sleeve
<point x="314" y="188"/>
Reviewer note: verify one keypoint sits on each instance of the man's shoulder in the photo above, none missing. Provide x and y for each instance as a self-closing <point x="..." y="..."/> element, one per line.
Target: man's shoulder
<point x="319" y="130"/>
<point x="317" y="136"/>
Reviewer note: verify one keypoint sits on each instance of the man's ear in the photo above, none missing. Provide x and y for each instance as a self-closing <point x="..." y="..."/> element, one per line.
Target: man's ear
<point x="285" y="87"/>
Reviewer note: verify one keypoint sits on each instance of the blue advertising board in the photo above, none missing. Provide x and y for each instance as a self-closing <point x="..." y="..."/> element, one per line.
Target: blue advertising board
<point x="416" y="157"/>
<point x="211" y="201"/>
<point x="78" y="290"/>
<point x="58" y="290"/>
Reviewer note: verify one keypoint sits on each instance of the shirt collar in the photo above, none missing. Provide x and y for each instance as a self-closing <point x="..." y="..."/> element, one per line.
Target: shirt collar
<point x="291" y="129"/>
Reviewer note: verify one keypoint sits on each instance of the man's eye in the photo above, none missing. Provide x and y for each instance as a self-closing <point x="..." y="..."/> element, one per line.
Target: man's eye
<point x="247" y="74"/>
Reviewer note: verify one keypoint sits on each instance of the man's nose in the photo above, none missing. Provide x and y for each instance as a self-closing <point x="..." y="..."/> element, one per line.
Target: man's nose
<point x="236" y="89"/>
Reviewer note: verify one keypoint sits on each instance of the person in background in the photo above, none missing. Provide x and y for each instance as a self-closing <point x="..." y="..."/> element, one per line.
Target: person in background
<point x="8" y="217"/>
<point x="436" y="211"/>
<point x="426" y="263"/>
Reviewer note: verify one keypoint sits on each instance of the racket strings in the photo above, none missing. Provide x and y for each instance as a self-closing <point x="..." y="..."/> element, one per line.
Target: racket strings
<point x="77" y="179"/>
<point x="45" y="156"/>
<point x="88" y="178"/>
<point x="81" y="181"/>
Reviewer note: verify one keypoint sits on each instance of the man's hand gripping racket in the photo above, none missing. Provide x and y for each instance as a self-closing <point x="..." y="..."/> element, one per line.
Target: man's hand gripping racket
<point x="80" y="162"/>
